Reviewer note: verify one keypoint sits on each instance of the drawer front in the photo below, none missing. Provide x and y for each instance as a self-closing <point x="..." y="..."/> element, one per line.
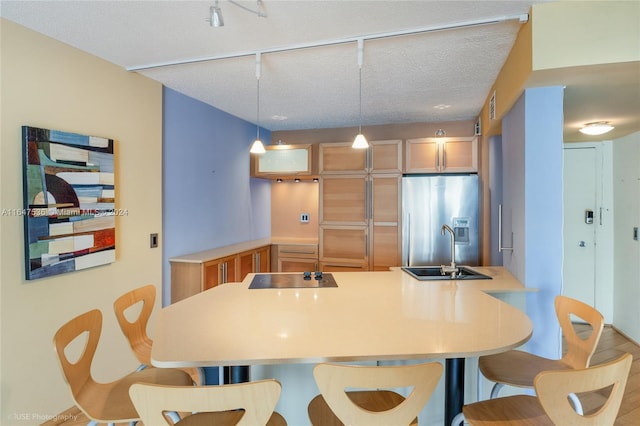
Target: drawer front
<point x="298" y="250"/>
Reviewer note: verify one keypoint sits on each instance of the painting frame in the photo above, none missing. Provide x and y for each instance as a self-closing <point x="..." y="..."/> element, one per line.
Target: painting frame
<point x="69" y="201"/>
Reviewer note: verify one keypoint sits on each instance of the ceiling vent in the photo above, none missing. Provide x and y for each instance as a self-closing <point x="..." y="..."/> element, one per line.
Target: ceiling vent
<point x="492" y="107"/>
<point x="478" y="128"/>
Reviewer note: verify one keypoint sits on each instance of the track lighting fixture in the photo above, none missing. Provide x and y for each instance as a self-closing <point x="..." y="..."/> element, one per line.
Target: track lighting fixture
<point x="258" y="147"/>
<point x="360" y="142"/>
<point x="215" y="19"/>
<point x="440" y="133"/>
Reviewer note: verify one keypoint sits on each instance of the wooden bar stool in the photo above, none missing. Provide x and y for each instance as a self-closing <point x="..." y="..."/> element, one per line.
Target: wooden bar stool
<point x="250" y="403"/>
<point x="552" y="406"/>
<point x="103" y="402"/>
<point x="519" y="368"/>
<point x="136" y="330"/>
<point x="336" y="406"/>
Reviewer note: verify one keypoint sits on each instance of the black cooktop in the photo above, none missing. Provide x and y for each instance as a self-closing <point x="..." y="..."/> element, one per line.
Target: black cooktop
<point x="297" y="280"/>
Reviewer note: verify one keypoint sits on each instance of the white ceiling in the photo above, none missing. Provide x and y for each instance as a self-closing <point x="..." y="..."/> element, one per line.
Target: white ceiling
<point x="426" y="77"/>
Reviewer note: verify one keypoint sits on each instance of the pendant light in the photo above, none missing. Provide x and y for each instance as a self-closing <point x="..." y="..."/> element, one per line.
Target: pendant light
<point x="258" y="147"/>
<point x="360" y="142"/>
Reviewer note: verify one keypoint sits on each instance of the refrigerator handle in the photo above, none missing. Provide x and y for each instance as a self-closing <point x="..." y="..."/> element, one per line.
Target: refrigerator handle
<point x="408" y="234"/>
<point x="500" y="247"/>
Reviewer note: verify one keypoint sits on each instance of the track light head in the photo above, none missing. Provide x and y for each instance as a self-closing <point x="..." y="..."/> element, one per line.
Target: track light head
<point x="215" y="18"/>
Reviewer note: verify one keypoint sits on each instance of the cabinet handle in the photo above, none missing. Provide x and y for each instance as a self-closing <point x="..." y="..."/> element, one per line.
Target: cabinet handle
<point x="437" y="156"/>
<point x="224" y="272"/>
<point x="369" y="196"/>
<point x="257" y="262"/>
<point x="297" y="252"/>
<point x="408" y="233"/>
<point x="500" y="247"/>
<point x="444" y="155"/>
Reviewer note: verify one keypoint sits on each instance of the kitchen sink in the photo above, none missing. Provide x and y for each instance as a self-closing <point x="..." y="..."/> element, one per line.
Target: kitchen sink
<point x="434" y="273"/>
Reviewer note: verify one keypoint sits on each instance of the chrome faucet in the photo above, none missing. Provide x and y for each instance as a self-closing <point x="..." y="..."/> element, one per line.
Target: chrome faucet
<point x="452" y="269"/>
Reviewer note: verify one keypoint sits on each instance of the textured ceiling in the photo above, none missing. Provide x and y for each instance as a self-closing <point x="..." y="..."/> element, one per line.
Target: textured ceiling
<point x="431" y="76"/>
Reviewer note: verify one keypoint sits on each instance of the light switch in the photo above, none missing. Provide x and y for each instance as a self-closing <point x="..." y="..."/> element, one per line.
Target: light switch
<point x="304" y="217"/>
<point x="153" y="240"/>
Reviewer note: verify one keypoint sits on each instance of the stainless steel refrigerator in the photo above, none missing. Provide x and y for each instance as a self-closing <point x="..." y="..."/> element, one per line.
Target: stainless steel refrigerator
<point x="430" y="201"/>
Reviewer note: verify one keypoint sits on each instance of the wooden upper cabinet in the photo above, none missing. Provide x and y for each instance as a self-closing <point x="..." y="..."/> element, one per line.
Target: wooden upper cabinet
<point x="285" y="160"/>
<point x="385" y="156"/>
<point x="381" y="157"/>
<point x="339" y="157"/>
<point x="441" y="155"/>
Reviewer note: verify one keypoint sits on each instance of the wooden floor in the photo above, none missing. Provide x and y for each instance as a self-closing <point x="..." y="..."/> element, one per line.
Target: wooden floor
<point x="611" y="346"/>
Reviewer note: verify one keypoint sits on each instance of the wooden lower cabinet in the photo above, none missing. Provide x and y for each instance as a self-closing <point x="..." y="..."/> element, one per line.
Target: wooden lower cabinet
<point x="295" y="257"/>
<point x="193" y="276"/>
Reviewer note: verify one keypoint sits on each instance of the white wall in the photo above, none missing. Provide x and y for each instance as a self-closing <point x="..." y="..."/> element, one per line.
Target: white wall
<point x="626" y="188"/>
<point x="48" y="84"/>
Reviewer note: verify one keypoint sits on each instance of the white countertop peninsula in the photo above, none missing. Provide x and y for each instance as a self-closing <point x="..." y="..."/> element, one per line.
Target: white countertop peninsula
<point x="369" y="316"/>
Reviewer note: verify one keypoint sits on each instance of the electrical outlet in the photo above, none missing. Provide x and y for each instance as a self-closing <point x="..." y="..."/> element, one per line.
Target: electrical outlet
<point x="153" y="240"/>
<point x="304" y="217"/>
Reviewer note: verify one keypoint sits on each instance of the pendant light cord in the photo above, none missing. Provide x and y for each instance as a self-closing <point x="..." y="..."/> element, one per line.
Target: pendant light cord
<point x="258" y="74"/>
<point x="258" y="110"/>
<point x="360" y="62"/>
<point x="360" y="127"/>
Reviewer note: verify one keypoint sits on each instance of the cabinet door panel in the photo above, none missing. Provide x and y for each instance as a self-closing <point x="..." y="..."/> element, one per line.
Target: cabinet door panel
<point x="342" y="199"/>
<point x="385" y="198"/>
<point x="341" y="158"/>
<point x="212" y="274"/>
<point x="343" y="243"/>
<point x="422" y="156"/>
<point x="386" y="156"/>
<point x="263" y="259"/>
<point x="459" y="155"/>
<point x="246" y="262"/>
<point x="385" y="250"/>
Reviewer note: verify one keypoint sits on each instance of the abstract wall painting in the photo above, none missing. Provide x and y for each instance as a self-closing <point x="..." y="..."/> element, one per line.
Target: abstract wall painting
<point x="69" y="202"/>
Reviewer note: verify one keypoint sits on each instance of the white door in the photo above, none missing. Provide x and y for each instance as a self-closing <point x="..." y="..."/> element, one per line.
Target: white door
<point x="581" y="216"/>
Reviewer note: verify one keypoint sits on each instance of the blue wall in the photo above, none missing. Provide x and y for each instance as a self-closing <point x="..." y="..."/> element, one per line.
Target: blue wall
<point x="209" y="200"/>
<point x="532" y="141"/>
<point x="543" y="201"/>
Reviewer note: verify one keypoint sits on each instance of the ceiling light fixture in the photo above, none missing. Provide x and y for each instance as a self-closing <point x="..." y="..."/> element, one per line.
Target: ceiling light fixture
<point x="215" y="18"/>
<point x="440" y="133"/>
<point x="258" y="12"/>
<point x="521" y="18"/>
<point x="258" y="147"/>
<point x="596" y="128"/>
<point x="360" y="142"/>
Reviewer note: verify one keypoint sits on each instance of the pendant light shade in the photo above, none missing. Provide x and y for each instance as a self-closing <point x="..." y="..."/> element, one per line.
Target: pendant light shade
<point x="258" y="146"/>
<point x="360" y="142"/>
